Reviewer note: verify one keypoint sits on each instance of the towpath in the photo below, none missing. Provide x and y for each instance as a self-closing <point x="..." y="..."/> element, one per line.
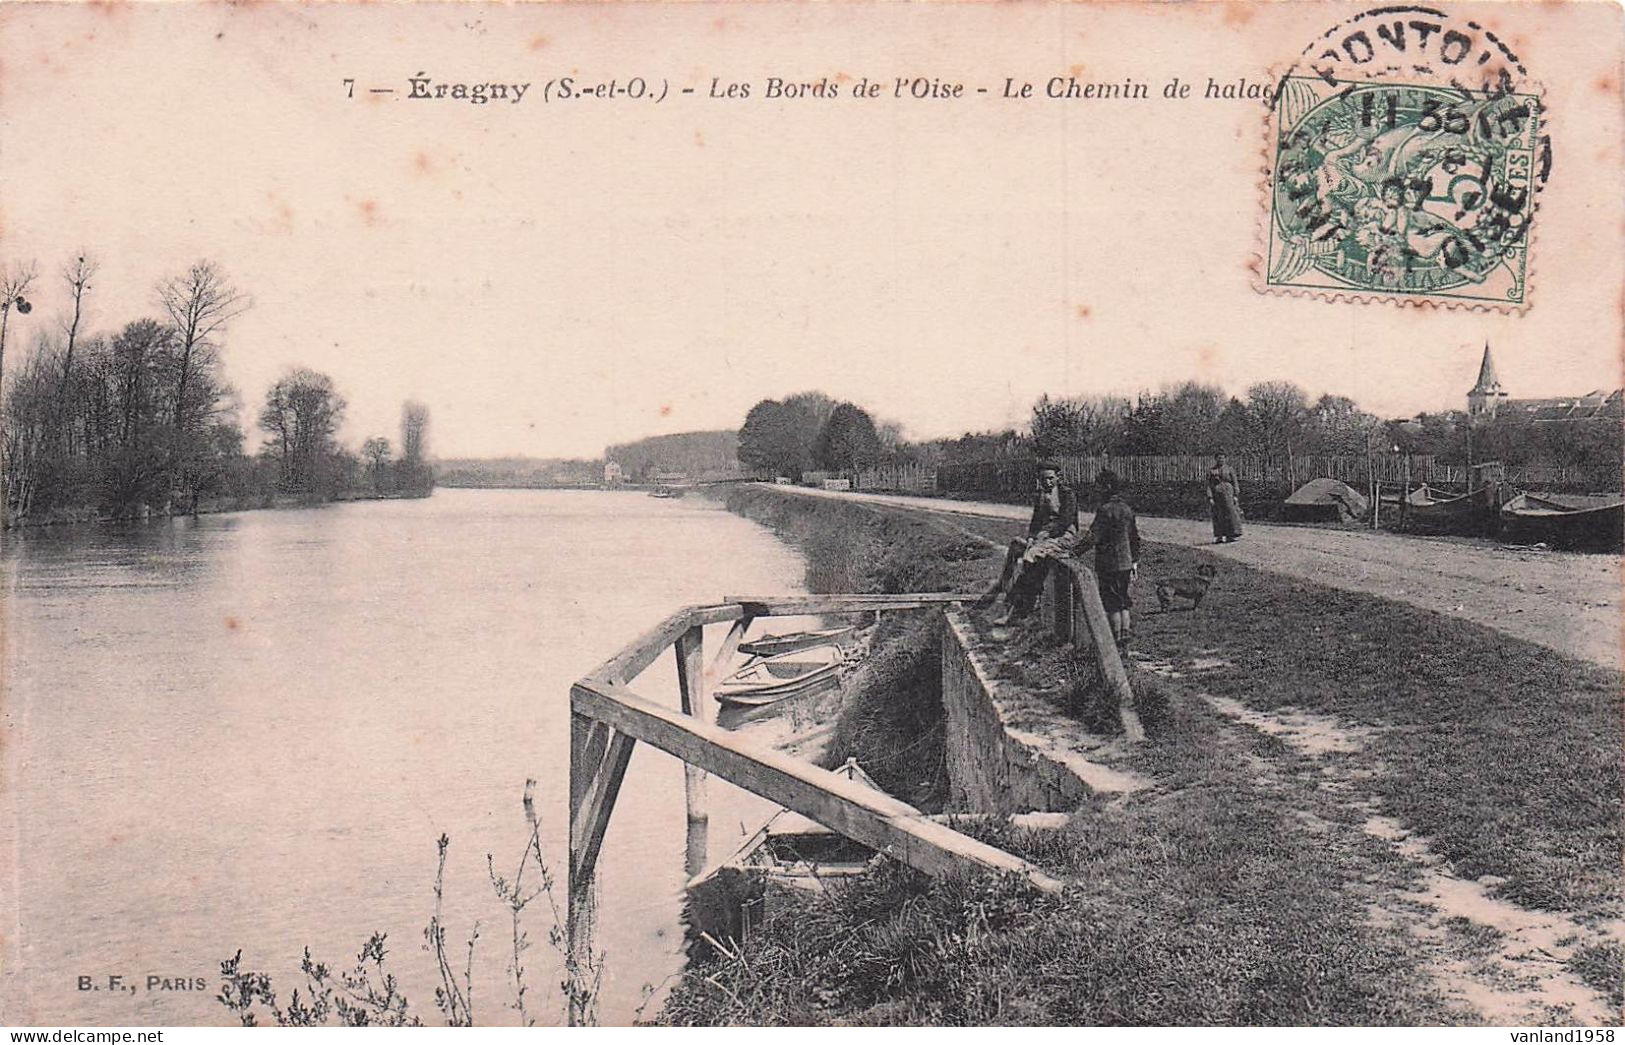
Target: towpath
<point x="1568" y="602"/>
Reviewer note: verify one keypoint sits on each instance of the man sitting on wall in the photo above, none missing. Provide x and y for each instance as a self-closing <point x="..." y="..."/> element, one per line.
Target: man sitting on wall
<point x="1051" y="533"/>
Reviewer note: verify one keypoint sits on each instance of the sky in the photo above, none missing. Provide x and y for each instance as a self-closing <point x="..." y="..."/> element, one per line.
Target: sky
<point x="554" y="277"/>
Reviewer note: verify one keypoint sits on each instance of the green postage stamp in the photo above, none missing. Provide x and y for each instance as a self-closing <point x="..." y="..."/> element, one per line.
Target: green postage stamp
<point x="1405" y="190"/>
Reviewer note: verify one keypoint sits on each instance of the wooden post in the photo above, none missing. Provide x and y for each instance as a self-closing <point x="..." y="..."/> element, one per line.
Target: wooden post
<point x="1112" y="672"/>
<point x="1405" y="497"/>
<point x="579" y="928"/>
<point x="1371" y="481"/>
<point x="598" y="758"/>
<point x="597" y="784"/>
<point x="691" y="686"/>
<point x="1062" y="584"/>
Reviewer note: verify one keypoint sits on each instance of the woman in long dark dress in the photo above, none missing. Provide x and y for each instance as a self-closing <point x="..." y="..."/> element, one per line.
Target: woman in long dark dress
<point x="1224" y="498"/>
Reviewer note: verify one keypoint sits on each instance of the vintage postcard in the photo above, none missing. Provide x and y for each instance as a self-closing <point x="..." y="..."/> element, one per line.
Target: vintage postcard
<point x="1095" y="513"/>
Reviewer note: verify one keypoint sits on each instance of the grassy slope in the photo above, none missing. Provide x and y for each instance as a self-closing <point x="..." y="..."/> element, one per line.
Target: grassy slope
<point x="892" y="724"/>
<point x="1505" y="754"/>
<point x="1240" y="889"/>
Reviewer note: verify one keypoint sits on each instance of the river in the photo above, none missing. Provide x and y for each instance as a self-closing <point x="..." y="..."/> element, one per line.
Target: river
<point x="247" y="731"/>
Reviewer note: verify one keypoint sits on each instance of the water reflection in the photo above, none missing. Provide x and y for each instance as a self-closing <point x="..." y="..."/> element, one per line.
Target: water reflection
<point x="171" y="553"/>
<point x="247" y="731"/>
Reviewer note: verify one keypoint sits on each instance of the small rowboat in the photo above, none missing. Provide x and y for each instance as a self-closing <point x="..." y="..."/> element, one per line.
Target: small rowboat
<point x="773" y="645"/>
<point x="731" y="896"/>
<point x="770" y="679"/>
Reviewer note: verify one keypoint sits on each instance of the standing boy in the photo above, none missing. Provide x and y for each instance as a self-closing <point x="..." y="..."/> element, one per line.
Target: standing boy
<point x="1115" y="537"/>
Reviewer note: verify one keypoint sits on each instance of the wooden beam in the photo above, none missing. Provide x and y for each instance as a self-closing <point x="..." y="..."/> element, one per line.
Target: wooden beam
<point x="727" y="611"/>
<point x="588" y="742"/>
<point x="874" y="599"/>
<point x="1112" y="672"/>
<point x="646" y="648"/>
<point x="691" y="690"/>
<point x="877" y="820"/>
<point x="590" y="819"/>
<point x="689" y="649"/>
<point x="797" y="605"/>
<point x="725" y="653"/>
<point x="643" y="651"/>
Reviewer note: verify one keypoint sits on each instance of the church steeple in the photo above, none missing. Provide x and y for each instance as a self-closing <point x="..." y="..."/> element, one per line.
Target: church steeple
<point x="1481" y="401"/>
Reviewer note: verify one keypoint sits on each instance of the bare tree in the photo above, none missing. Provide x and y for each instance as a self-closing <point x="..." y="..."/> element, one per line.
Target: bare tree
<point x="78" y="275"/>
<point x="1278" y="409"/>
<point x="302" y="413"/>
<point x="14" y="282"/>
<point x="376" y="450"/>
<point x="376" y="453"/>
<point x="414" y="432"/>
<point x="200" y="303"/>
<point x="1336" y="425"/>
<point x="1079" y="424"/>
<point x="1191" y="417"/>
<point x="25" y="423"/>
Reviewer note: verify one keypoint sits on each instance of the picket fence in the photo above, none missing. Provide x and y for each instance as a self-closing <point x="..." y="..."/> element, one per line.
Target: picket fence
<point x="1013" y="477"/>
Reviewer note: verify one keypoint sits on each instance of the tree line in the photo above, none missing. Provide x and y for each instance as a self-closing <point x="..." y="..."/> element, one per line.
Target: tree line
<point x="692" y="454"/>
<point x="1272" y="419"/>
<point x="140" y="419"/>
<point x="813" y="431"/>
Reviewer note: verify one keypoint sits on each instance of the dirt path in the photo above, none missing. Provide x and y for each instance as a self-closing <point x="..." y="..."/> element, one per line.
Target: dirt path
<point x="1510" y="964"/>
<point x="1567" y="602"/>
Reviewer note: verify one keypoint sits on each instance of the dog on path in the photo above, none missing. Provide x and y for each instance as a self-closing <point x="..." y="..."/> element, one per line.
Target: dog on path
<point x="1192" y="588"/>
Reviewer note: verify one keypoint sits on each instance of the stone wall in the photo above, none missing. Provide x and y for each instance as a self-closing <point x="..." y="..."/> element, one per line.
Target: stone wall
<point x="992" y="766"/>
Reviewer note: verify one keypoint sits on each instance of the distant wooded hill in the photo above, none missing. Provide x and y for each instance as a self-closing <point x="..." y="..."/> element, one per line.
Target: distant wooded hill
<point x="517" y="471"/>
<point x="695" y="455"/>
<point x="692" y="455"/>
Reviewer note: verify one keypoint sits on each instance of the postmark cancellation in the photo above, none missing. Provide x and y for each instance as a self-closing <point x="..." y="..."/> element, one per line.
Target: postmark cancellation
<point x="1404" y="159"/>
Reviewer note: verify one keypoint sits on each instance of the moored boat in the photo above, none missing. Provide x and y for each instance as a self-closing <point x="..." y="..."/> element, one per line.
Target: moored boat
<point x="773" y="645"/>
<point x="728" y="897"/>
<point x="767" y="680"/>
<point x="1593" y="522"/>
<point x="798" y="850"/>
<point x="731" y="896"/>
<point x="1468" y="513"/>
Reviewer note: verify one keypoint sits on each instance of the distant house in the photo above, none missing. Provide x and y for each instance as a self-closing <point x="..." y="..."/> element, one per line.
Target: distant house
<point x="1488" y="400"/>
<point x="612" y="472"/>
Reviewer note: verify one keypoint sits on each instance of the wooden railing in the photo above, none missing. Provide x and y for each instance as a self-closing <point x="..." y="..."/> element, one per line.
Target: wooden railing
<point x="608" y="719"/>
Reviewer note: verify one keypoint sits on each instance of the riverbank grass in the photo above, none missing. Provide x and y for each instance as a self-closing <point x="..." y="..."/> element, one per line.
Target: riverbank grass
<point x="1320" y="761"/>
